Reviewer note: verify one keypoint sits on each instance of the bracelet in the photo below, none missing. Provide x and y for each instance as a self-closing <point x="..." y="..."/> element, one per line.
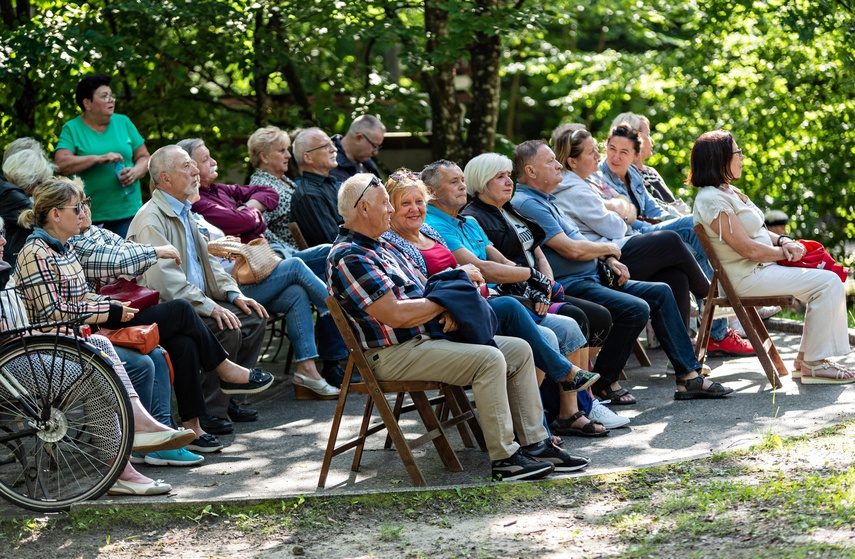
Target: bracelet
<point x="780" y="241"/>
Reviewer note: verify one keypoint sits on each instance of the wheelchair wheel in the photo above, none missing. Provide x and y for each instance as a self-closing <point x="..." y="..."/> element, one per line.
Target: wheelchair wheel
<point x="66" y="424"/>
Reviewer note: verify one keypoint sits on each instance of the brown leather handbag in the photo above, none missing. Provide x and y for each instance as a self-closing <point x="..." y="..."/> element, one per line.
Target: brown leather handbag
<point x="141" y="338"/>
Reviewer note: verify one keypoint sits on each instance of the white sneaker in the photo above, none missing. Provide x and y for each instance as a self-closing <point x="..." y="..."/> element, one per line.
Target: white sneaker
<point x="609" y="419"/>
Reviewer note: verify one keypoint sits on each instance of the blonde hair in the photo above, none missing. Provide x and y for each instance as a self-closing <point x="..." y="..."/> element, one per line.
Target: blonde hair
<point x="402" y="181"/>
<point x="482" y="169"/>
<point x="263" y="141"/>
<point x="55" y="192"/>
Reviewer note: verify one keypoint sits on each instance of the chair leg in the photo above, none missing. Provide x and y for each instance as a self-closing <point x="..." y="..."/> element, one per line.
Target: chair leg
<point x="330" y="451"/>
<point x="446" y="453"/>
<point x="640" y="354"/>
<point x="760" y="341"/>
<point x="363" y="433"/>
<point x="400" y="442"/>
<point x="456" y="397"/>
<point x="396" y="411"/>
<point x="704" y="333"/>
<point x="768" y="344"/>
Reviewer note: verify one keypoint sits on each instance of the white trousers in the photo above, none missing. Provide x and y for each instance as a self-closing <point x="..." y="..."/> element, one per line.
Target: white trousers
<point x="825" y="331"/>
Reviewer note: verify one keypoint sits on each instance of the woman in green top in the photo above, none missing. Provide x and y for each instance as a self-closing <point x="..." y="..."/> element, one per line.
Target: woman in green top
<point x="107" y="152"/>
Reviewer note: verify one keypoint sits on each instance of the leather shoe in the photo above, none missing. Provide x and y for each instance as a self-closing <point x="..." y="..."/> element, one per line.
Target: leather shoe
<point x="216" y="425"/>
<point x="239" y="414"/>
<point x="335" y="376"/>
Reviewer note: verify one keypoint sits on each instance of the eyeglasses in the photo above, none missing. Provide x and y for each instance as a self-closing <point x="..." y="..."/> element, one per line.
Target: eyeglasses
<point x="78" y="209"/>
<point x="398" y="177"/>
<point x="87" y="201"/>
<point x="328" y="145"/>
<point x="374" y="182"/>
<point x="108" y="97"/>
<point x="377" y="147"/>
<point x="738" y="152"/>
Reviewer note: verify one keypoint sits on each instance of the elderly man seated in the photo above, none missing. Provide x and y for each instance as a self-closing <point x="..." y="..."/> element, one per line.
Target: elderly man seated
<point x="292" y="286"/>
<point x="313" y="205"/>
<point x="363" y="141"/>
<point x="383" y="296"/>
<point x="237" y="321"/>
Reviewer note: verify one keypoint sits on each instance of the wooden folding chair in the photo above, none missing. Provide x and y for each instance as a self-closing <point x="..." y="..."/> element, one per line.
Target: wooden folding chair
<point x="456" y="399"/>
<point x="745" y="309"/>
<point x="299" y="239"/>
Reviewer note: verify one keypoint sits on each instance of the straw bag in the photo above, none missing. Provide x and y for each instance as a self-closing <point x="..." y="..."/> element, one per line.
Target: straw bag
<point x="254" y="261"/>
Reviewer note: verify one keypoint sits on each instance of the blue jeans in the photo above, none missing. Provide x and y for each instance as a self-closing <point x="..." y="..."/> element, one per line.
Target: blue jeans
<point x="314" y="257"/>
<point x="684" y="226"/>
<point x="631" y="307"/>
<point x="292" y="289"/>
<point x="570" y="337"/>
<point x="150" y="376"/>
<point x="514" y="320"/>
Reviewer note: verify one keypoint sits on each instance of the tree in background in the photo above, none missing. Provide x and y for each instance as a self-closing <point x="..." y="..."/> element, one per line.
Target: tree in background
<point x="480" y="74"/>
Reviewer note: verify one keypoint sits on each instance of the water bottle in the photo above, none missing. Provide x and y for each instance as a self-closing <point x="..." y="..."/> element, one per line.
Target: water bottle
<point x="119" y="166"/>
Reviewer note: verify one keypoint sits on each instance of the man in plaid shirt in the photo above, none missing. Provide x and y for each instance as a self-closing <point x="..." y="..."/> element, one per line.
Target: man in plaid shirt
<point x="381" y="293"/>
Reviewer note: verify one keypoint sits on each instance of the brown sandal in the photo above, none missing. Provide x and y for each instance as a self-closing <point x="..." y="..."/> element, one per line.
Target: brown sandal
<point x="565" y="427"/>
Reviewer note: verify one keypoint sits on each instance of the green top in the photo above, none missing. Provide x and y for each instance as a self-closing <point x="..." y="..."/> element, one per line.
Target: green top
<point x="110" y="200"/>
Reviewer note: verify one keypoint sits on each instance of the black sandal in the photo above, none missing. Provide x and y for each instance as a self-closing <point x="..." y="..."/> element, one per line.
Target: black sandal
<point x="603" y="392"/>
<point x="695" y="389"/>
<point x="565" y="427"/>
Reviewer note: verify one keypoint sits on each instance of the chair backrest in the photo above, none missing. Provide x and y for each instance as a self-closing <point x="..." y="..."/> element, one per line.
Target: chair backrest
<point x="299" y="239"/>
<point x="357" y="357"/>
<point x="719" y="275"/>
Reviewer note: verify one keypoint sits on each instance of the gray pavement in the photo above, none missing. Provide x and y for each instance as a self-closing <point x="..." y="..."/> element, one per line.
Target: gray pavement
<point x="280" y="455"/>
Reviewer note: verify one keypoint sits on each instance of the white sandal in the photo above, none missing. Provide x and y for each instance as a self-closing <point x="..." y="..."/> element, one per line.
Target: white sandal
<point x="797" y="368"/>
<point x="808" y="373"/>
<point x="313" y="389"/>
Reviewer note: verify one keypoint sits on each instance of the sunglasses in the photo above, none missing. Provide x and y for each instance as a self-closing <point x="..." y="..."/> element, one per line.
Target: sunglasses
<point x="78" y="209"/>
<point x="374" y="182"/>
<point x="398" y="177"/>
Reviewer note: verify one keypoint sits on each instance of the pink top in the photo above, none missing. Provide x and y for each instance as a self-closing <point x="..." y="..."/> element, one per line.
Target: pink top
<point x="438" y="258"/>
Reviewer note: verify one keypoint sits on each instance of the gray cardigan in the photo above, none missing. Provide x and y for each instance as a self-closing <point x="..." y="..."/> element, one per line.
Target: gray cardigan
<point x="579" y="200"/>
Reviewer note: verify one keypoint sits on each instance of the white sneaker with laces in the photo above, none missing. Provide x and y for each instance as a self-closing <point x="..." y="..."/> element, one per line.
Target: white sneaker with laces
<point x="609" y="419"/>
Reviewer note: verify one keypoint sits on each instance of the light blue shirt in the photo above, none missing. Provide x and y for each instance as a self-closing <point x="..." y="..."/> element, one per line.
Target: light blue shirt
<point x="540" y="207"/>
<point x="195" y="275"/>
<point x="459" y="232"/>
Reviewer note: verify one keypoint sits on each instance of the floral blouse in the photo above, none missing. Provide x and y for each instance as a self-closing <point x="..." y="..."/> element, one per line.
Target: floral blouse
<point x="278" y="218"/>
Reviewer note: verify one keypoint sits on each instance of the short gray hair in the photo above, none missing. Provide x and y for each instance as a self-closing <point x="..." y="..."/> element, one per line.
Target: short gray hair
<point x="303" y="140"/>
<point x="364" y="123"/>
<point x="22" y="144"/>
<point x="28" y="168"/>
<point x="430" y="174"/>
<point x="349" y="192"/>
<point x="190" y="145"/>
<point x="482" y="169"/>
<point x="162" y="161"/>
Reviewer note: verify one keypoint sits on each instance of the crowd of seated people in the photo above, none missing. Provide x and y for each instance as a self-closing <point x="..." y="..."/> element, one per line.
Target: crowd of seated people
<point x="571" y="255"/>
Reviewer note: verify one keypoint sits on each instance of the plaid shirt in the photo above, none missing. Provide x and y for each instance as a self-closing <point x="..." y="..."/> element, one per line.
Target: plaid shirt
<point x="52" y="282"/>
<point x="360" y="271"/>
<point x="106" y="256"/>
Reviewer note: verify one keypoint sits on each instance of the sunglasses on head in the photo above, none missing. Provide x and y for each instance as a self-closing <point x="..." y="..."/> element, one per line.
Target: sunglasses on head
<point x="374" y="182"/>
<point x="398" y="177"/>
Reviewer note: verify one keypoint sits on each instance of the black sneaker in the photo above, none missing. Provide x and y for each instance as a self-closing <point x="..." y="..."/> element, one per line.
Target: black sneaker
<point x="519" y="466"/>
<point x="258" y="380"/>
<point x="562" y="460"/>
<point x="239" y="414"/>
<point x="581" y="381"/>
<point x="205" y="444"/>
<point x="335" y="376"/>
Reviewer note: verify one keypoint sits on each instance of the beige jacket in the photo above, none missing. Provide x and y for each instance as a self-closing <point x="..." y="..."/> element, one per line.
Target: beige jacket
<point x="157" y="224"/>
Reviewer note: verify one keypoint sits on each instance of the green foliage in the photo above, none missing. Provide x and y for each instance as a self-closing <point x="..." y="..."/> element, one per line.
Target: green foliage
<point x="778" y="74"/>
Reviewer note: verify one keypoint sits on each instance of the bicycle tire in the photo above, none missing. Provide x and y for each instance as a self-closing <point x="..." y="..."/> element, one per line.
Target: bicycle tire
<point x="66" y="423"/>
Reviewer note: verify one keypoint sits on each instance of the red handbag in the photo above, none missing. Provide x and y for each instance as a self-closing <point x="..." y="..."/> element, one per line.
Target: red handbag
<point x="817" y="257"/>
<point x="140" y="297"/>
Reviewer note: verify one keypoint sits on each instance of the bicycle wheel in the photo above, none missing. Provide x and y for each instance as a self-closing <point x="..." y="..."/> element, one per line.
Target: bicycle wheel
<point x="66" y="424"/>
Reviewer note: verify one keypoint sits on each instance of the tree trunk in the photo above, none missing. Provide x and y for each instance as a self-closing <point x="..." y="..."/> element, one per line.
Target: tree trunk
<point x="486" y="54"/>
<point x="439" y="82"/>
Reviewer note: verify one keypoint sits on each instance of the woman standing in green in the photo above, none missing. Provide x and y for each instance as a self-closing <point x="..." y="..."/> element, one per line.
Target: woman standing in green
<point x="107" y="152"/>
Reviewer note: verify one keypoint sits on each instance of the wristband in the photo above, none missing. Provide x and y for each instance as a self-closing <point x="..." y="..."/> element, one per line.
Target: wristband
<point x="780" y="241"/>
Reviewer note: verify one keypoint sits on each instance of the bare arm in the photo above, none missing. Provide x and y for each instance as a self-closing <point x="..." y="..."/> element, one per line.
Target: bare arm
<point x="139" y="168"/>
<point x="500" y="270"/>
<point x="70" y="164"/>
<point x="408" y="313"/>
<point x="542" y="263"/>
<point x="733" y="233"/>
<point x="581" y="250"/>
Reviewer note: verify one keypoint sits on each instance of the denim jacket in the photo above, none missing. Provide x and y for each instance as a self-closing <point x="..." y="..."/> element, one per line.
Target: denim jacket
<point x="645" y="205"/>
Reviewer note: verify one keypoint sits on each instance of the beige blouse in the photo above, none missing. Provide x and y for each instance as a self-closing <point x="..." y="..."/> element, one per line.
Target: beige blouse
<point x="715" y="204"/>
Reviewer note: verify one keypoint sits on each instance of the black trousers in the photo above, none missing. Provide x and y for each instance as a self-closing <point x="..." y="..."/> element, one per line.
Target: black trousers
<point x="662" y="256"/>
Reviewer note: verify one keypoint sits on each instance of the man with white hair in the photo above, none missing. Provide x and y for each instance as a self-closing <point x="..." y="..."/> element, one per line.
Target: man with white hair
<point x="363" y="141"/>
<point x="237" y="321"/>
<point x="382" y="295"/>
<point x="313" y="205"/>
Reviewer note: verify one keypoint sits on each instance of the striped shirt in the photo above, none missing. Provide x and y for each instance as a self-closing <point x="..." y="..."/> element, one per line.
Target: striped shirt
<point x="360" y="271"/>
